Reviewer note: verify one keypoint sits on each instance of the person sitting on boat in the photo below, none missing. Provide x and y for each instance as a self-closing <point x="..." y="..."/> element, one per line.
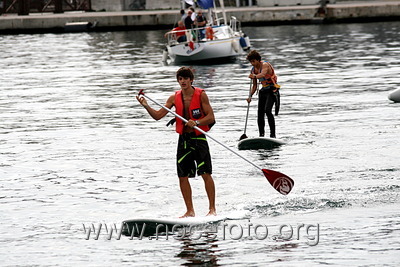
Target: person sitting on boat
<point x="179" y="32"/>
<point x="200" y="22"/>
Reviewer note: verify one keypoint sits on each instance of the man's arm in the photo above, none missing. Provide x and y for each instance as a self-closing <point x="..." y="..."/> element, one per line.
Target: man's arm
<point x="156" y="114"/>
<point x="266" y="70"/>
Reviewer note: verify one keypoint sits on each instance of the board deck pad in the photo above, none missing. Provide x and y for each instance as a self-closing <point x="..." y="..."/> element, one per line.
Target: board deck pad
<point x="155" y="226"/>
<point x="260" y="143"/>
<point x="136" y="228"/>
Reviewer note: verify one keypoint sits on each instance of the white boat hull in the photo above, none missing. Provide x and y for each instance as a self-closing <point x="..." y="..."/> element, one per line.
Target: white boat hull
<point x="210" y="43"/>
<point x="209" y="50"/>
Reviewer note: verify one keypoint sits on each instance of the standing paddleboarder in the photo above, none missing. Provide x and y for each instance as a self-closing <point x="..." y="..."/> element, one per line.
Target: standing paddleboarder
<point x="268" y="94"/>
<point x="193" y="152"/>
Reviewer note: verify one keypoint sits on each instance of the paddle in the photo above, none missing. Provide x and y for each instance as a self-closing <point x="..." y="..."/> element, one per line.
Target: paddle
<point x="244" y="136"/>
<point x="282" y="183"/>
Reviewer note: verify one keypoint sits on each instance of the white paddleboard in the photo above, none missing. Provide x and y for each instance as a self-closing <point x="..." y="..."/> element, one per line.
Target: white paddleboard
<point x="260" y="143"/>
<point x="395" y="95"/>
<point x="155" y="226"/>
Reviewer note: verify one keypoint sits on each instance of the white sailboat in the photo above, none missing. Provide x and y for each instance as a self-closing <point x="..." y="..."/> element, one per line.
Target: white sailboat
<point x="217" y="41"/>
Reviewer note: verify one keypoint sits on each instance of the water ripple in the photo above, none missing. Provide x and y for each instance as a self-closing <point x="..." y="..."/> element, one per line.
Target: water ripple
<point x="76" y="147"/>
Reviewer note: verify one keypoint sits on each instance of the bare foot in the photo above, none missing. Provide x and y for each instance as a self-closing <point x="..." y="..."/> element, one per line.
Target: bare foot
<point x="188" y="214"/>
<point x="212" y="212"/>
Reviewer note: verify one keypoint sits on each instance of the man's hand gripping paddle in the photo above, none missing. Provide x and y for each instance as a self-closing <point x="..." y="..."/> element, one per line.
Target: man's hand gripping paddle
<point x="281" y="182"/>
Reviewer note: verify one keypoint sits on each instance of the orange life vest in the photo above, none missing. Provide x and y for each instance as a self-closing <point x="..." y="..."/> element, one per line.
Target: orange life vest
<point x="195" y="110"/>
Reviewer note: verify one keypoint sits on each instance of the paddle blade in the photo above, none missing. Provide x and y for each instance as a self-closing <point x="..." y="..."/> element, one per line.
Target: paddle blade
<point x="281" y="182"/>
<point x="244" y="136"/>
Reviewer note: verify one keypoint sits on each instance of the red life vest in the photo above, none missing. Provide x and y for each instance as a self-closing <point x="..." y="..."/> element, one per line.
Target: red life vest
<point x="195" y="110"/>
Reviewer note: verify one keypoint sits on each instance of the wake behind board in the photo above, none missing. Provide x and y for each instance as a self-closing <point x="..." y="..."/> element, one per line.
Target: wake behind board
<point x="260" y="143"/>
<point x="157" y="226"/>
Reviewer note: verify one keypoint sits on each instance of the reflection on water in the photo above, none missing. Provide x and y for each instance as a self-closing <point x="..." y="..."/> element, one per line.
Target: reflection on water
<point x="200" y="252"/>
<point x="76" y="147"/>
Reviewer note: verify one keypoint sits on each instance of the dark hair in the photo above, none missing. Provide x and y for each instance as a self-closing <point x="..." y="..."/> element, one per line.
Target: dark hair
<point x="253" y="55"/>
<point x="185" y="72"/>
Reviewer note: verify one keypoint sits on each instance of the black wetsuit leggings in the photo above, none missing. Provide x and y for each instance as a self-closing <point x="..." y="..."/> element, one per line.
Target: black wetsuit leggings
<point x="266" y="100"/>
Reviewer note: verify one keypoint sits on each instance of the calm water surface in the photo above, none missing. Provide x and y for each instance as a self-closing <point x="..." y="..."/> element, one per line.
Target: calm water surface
<point x="76" y="148"/>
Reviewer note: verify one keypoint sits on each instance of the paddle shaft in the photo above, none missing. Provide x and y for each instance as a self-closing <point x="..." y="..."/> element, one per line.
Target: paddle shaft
<point x="247" y="116"/>
<point x="248" y="107"/>
<point x="198" y="129"/>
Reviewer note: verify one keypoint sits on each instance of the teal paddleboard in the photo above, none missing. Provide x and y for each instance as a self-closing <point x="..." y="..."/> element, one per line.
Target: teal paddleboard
<point x="259" y="143"/>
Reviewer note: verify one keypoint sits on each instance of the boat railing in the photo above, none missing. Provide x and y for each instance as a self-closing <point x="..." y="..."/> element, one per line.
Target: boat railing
<point x="218" y="21"/>
<point x="173" y="37"/>
<point x="201" y="34"/>
<point x="235" y="24"/>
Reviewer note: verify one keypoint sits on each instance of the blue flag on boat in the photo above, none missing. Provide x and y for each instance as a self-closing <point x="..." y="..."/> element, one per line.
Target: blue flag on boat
<point x="205" y="4"/>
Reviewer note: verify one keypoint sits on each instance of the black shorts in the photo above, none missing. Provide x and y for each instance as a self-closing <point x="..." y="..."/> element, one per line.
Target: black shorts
<point x="193" y="154"/>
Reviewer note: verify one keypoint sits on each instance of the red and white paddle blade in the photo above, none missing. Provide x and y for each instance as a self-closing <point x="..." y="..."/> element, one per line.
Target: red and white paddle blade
<point x="281" y="182"/>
